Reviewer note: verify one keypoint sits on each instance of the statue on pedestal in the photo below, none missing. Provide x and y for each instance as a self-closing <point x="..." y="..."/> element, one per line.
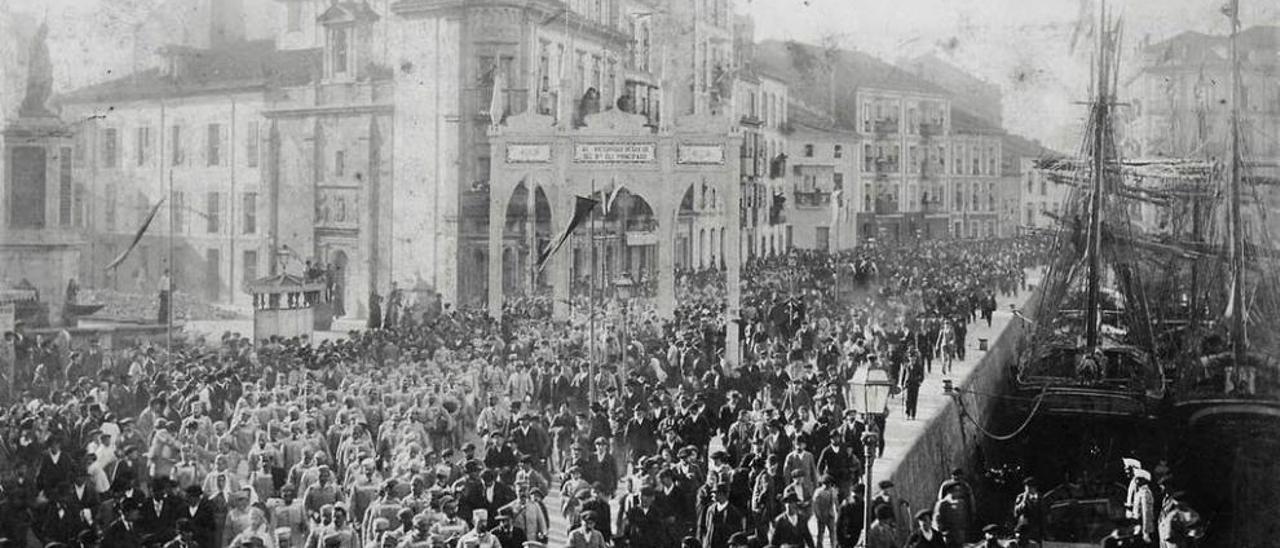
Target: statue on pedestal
<point x="39" y="78"/>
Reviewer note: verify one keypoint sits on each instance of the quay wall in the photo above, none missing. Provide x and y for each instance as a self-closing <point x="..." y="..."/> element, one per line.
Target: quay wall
<point x="951" y="441"/>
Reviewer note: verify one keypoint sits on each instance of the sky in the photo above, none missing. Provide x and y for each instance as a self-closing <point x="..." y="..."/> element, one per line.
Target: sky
<point x="1021" y="45"/>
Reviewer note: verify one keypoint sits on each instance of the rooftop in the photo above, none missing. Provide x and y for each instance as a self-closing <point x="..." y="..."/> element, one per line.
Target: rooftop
<point x="241" y="65"/>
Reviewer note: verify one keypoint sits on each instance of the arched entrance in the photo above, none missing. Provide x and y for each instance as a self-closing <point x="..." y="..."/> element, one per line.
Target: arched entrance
<point x="626" y="244"/>
<point x="526" y="231"/>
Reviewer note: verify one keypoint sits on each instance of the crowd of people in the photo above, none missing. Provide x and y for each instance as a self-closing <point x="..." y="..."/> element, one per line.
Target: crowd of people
<point x="449" y="428"/>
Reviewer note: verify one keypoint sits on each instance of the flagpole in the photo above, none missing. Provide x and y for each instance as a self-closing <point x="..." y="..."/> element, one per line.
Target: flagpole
<point x="591" y="308"/>
<point x="168" y="313"/>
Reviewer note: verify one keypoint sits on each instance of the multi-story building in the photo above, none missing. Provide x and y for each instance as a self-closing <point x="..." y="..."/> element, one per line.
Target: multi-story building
<point x="825" y="195"/>
<point x="358" y="135"/>
<point x="976" y="170"/>
<point x="1181" y="104"/>
<point x="905" y="136"/>
<point x="1040" y="197"/>
<point x="192" y="133"/>
<point x="976" y="96"/>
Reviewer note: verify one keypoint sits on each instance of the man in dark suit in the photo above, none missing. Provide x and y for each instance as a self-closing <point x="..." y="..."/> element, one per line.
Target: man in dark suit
<point x="722" y="520"/>
<point x="159" y="513"/>
<point x="200" y="516"/>
<point x="604" y="469"/>
<point x="123" y="533"/>
<point x="56" y="467"/>
<point x="495" y="494"/>
<point x="507" y="535"/>
<point x="790" y="527"/>
<point x="59" y="521"/>
<point x="849" y="518"/>
<point x="644" y="525"/>
<point x="599" y="505"/>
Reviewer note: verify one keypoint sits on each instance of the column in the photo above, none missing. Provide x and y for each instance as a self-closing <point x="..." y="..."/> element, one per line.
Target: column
<point x="560" y="269"/>
<point x="497" y="222"/>
<point x="733" y="257"/>
<point x="666" y="304"/>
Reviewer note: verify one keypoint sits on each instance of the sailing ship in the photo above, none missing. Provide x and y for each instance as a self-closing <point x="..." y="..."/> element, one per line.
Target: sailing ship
<point x="1227" y="391"/>
<point x="1089" y="351"/>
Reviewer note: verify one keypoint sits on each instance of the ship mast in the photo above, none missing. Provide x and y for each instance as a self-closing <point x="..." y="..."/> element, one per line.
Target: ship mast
<point x="1237" y="234"/>
<point x="1092" y="250"/>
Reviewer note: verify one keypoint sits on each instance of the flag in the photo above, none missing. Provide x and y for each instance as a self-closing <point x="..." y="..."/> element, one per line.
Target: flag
<point x="608" y="202"/>
<point x="497" y="106"/>
<point x="581" y="212"/>
<point x="137" y="237"/>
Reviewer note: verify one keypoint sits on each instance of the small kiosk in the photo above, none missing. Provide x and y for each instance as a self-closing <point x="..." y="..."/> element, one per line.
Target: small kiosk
<point x="285" y="305"/>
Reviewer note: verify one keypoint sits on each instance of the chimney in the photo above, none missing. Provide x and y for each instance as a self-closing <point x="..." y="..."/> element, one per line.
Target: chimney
<point x="226" y="22"/>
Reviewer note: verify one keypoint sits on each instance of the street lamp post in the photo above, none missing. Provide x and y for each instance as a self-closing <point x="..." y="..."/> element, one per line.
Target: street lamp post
<point x="624" y="289"/>
<point x="869" y="393"/>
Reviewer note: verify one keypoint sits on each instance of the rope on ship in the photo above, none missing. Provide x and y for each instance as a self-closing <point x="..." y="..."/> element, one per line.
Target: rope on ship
<point x="1017" y="431"/>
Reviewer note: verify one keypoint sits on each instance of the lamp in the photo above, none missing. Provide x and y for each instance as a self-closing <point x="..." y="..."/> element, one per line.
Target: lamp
<point x="869" y="391"/>
<point x="624" y="288"/>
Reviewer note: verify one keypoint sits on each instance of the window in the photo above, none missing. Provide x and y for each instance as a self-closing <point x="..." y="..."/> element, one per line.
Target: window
<point x="250" y="208"/>
<point x="212" y="207"/>
<point x="251" y="145"/>
<point x="143" y="144"/>
<point x="808" y="151"/>
<point x="339" y="163"/>
<point x="110" y="147"/>
<point x="179" y="208"/>
<point x="294" y="16"/>
<point x="212" y="269"/>
<point x="175" y="140"/>
<point x="868" y="159"/>
<point x="64" y="186"/>
<point x="250" y="263"/>
<point x="339" y="51"/>
<point x="839" y="151"/>
<point x="837" y="181"/>
<point x="213" y="138"/>
<point x="1044" y="188"/>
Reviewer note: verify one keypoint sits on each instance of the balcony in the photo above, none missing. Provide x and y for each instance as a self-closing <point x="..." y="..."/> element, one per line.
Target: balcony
<point x="885" y="167"/>
<point x="886" y="206"/>
<point x="816" y="198"/>
<point x="515" y="101"/>
<point x="885" y="128"/>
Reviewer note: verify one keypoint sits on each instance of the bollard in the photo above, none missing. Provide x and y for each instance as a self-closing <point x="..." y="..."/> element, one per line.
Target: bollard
<point x="982" y="345"/>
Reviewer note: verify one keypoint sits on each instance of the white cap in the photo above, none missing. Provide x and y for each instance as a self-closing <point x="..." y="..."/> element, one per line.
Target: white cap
<point x="1131" y="463"/>
<point x="1142" y="474"/>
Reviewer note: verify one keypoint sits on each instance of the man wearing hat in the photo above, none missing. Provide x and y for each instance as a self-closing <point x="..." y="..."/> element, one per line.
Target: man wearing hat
<point x="849" y="517"/>
<point x="123" y="533"/>
<point x="1030" y="509"/>
<point x="1131" y="468"/>
<point x="721" y="520"/>
<point x="991" y="534"/>
<point x="884" y="532"/>
<point x="924" y="535"/>
<point x="586" y="535"/>
<point x="643" y="524"/>
<point x="507" y="535"/>
<point x="1144" y="507"/>
<point x="449" y="527"/>
<point x="603" y="469"/>
<point x="479" y="535"/>
<point x="791" y="527"/>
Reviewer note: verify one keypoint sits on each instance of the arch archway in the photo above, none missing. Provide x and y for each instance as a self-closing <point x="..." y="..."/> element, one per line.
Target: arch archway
<point x="525" y="232"/>
<point x="625" y="243"/>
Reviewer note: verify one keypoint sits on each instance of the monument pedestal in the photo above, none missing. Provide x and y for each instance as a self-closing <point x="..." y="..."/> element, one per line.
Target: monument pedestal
<point x="40" y="243"/>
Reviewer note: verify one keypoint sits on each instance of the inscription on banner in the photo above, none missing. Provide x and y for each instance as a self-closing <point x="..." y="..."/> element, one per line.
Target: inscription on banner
<point x="700" y="154"/>
<point x="614" y="153"/>
<point x="528" y="154"/>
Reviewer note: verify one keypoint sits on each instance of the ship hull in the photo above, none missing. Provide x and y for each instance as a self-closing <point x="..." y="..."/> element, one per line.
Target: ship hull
<point x="1228" y="459"/>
